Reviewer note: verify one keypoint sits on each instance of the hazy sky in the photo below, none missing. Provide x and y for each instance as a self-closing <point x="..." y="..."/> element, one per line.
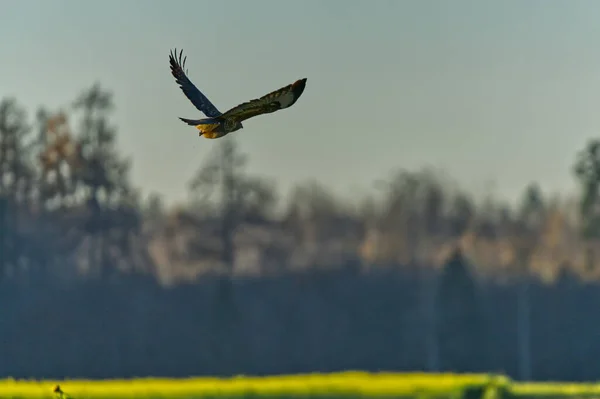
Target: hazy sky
<point x="502" y="90"/>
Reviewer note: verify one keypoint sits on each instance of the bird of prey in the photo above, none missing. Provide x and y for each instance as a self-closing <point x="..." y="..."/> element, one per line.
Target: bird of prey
<point x="220" y="124"/>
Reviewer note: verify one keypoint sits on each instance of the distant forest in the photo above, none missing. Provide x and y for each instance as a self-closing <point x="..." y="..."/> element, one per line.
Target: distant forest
<point x="99" y="280"/>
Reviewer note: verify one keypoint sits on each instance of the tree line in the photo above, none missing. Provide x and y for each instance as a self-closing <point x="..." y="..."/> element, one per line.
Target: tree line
<point x="419" y="275"/>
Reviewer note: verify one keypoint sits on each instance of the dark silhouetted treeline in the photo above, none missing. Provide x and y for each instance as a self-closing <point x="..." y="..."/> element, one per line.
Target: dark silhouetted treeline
<point x="99" y="280"/>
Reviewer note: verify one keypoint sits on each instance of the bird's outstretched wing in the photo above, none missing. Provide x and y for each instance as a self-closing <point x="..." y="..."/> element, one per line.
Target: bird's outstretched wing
<point x="274" y="101"/>
<point x="188" y="88"/>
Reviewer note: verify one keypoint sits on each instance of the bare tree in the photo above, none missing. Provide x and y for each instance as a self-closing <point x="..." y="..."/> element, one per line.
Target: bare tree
<point x="222" y="187"/>
<point x="16" y="184"/>
<point x="225" y="197"/>
<point x="414" y="214"/>
<point x="110" y="217"/>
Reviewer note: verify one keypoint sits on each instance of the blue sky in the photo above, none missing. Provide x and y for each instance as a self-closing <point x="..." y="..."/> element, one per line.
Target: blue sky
<point x="505" y="91"/>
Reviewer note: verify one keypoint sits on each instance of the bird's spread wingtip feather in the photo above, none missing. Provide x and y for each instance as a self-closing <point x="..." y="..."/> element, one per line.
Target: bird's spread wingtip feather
<point x="298" y="87"/>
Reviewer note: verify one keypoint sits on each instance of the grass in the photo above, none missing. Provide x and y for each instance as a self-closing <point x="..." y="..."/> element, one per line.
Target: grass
<point x="346" y="385"/>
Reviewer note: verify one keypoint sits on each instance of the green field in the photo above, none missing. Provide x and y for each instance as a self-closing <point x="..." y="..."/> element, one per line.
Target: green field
<point x="338" y="385"/>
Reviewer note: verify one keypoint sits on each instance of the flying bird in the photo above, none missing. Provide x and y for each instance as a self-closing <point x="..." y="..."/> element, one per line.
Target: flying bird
<point x="219" y="124"/>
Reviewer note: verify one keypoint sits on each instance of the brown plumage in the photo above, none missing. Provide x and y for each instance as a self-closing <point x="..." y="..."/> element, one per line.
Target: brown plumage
<point x="220" y="124"/>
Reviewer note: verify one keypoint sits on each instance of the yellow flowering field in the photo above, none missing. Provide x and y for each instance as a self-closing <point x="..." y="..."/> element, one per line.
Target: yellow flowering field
<point x="347" y="385"/>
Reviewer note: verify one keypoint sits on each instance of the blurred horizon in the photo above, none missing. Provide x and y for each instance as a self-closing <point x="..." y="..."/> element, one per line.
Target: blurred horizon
<point x="497" y="95"/>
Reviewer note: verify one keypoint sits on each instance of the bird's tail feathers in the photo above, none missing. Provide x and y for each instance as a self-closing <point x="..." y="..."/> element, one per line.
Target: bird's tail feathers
<point x="196" y="122"/>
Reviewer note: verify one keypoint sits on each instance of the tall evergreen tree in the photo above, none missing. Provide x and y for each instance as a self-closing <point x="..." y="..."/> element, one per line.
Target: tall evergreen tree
<point x="461" y="328"/>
